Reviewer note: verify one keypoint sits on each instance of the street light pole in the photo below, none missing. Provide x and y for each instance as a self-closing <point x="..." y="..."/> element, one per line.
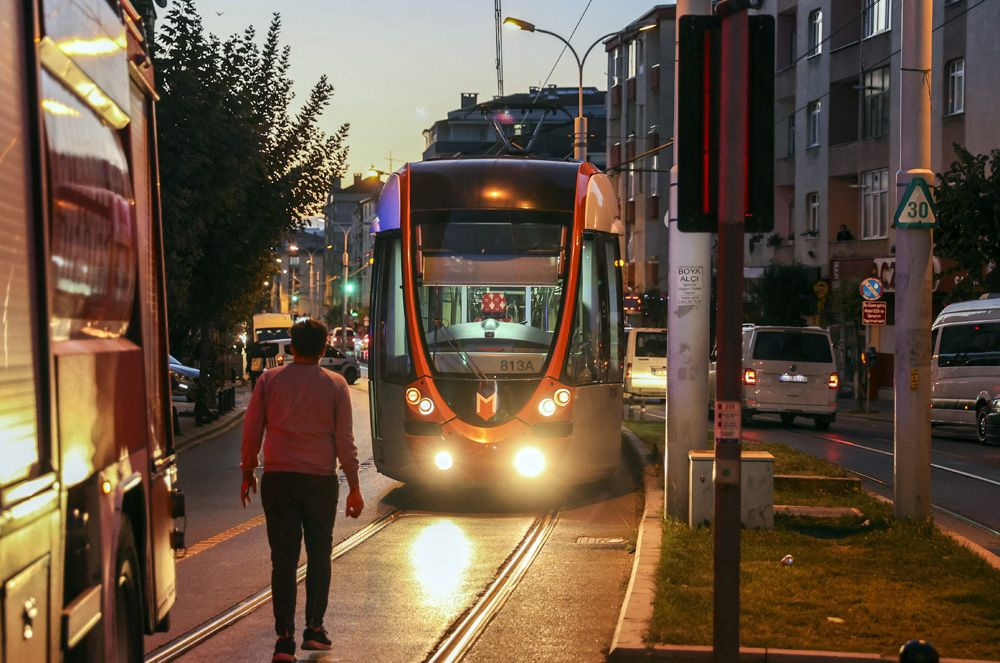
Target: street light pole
<point x="346" y="262"/>
<point x="580" y="122"/>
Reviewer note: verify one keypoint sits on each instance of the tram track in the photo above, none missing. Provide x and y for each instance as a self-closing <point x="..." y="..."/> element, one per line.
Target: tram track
<point x="464" y="633"/>
<point x="193" y="638"/>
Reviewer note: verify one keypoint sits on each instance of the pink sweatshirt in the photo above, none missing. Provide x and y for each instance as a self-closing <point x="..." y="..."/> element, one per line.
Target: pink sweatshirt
<point x="306" y="411"/>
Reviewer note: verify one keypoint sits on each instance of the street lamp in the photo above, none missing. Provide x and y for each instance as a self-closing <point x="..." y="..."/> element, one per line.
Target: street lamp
<point x="580" y="123"/>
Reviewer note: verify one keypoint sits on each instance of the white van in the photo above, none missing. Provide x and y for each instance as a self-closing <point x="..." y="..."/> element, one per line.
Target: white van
<point x="788" y="371"/>
<point x="965" y="363"/>
<point x="646" y="362"/>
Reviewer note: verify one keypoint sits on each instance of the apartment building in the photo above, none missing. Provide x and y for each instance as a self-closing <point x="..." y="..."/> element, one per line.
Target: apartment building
<point x="469" y="130"/>
<point x="640" y="109"/>
<point x="837" y="127"/>
<point x="349" y="211"/>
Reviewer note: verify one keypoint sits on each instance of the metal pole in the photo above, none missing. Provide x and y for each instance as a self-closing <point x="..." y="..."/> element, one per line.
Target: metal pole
<point x="733" y="109"/>
<point x="580" y="124"/>
<point x="690" y="258"/>
<point x="343" y="325"/>
<point x="912" y="445"/>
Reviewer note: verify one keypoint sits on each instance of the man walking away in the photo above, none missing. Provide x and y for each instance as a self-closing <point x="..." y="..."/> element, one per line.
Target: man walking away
<point x="306" y="411"/>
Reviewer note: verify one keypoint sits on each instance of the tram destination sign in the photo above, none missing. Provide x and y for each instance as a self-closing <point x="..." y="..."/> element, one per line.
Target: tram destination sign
<point x="873" y="313"/>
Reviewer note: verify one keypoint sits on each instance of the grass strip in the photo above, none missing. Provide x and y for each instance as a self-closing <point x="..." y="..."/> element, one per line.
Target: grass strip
<point x="864" y="584"/>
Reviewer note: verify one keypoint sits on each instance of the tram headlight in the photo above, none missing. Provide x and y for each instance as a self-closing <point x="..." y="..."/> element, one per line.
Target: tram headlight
<point x="412" y="395"/>
<point x="529" y="461"/>
<point x="547" y="407"/>
<point x="425" y="406"/>
<point x="562" y="397"/>
<point x="443" y="460"/>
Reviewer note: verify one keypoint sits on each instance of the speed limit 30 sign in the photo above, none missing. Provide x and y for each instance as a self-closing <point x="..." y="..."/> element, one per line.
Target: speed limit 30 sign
<point x="916" y="207"/>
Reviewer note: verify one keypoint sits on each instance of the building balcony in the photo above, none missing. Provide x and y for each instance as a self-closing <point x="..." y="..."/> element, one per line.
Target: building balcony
<point x="784" y="171"/>
<point x="844" y="61"/>
<point x="616" y="96"/>
<point x="849" y="159"/>
<point x="856" y="249"/>
<point x="630" y="84"/>
<point x="784" y="84"/>
<point x="654" y="77"/>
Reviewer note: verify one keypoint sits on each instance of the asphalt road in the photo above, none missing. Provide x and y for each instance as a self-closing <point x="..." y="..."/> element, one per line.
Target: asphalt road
<point x="395" y="596"/>
<point x="965" y="475"/>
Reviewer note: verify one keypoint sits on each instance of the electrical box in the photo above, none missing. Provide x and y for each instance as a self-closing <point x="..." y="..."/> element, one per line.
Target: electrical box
<point x="756" y="489"/>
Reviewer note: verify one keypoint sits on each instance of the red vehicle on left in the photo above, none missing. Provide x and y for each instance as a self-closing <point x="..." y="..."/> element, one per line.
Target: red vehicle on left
<point x="88" y="496"/>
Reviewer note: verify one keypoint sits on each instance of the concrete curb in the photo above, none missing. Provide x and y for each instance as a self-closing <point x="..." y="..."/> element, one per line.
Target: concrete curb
<point x="221" y="425"/>
<point x="629" y="644"/>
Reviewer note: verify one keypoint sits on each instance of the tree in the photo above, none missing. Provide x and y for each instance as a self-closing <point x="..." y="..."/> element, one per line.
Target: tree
<point x="239" y="169"/>
<point x="968" y="202"/>
<point x="782" y="296"/>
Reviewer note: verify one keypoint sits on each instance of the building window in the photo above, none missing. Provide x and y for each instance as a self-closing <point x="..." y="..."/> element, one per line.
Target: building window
<point x="955" y="91"/>
<point x="876" y="102"/>
<point x="790" y="139"/>
<point x="633" y="183"/>
<point x="640" y="57"/>
<point x="812" y="213"/>
<point x="614" y="77"/>
<point x="876" y="16"/>
<point x="631" y="47"/>
<point x="875" y="204"/>
<point x="815" y="32"/>
<point x="812" y="129"/>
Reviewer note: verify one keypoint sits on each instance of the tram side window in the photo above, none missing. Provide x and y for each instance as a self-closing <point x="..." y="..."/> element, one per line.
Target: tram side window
<point x="585" y="362"/>
<point x="973" y="344"/>
<point x="615" y="320"/>
<point x="392" y="331"/>
<point x="23" y="452"/>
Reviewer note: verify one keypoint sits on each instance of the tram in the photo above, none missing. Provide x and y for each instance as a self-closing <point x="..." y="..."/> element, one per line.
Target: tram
<point x="496" y="322"/>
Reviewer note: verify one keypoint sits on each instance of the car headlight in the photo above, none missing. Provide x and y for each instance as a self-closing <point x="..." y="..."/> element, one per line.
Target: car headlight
<point x="995" y="405"/>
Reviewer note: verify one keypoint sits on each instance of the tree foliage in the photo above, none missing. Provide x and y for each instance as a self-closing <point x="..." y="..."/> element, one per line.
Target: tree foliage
<point x="968" y="202"/>
<point x="239" y="167"/>
<point x="783" y="295"/>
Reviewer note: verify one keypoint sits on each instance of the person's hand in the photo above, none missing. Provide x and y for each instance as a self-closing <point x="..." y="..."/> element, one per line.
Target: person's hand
<point x="249" y="483"/>
<point x="355" y="503"/>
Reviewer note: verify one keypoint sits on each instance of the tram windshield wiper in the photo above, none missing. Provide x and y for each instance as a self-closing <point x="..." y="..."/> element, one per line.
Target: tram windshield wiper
<point x="453" y="344"/>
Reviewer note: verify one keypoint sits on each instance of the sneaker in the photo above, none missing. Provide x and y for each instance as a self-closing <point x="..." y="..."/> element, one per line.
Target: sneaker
<point x="316" y="639"/>
<point x="284" y="650"/>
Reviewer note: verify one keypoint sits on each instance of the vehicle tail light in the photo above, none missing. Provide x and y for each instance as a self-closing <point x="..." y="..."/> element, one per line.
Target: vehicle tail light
<point x="834" y="381"/>
<point x="750" y="376"/>
<point x="628" y="372"/>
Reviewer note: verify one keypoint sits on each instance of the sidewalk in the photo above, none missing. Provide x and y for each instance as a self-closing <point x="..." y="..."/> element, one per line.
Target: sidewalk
<point x="628" y="643"/>
<point x="187" y="433"/>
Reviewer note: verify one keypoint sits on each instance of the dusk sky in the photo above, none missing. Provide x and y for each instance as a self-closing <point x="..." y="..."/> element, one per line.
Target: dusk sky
<point x="397" y="66"/>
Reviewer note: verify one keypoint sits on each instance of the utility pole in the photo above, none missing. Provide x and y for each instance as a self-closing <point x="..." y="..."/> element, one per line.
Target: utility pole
<point x="343" y="325"/>
<point x="912" y="441"/>
<point x="688" y="298"/>
<point x="734" y="147"/>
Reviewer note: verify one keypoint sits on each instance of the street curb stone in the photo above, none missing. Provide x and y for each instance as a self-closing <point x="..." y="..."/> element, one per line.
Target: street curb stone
<point x="629" y="644"/>
<point x="221" y="425"/>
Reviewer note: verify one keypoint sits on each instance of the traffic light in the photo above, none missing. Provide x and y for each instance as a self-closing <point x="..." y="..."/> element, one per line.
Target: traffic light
<point x="697" y="141"/>
<point x="348" y="287"/>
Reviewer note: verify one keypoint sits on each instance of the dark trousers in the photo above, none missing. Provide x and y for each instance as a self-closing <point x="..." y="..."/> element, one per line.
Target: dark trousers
<point x="295" y="505"/>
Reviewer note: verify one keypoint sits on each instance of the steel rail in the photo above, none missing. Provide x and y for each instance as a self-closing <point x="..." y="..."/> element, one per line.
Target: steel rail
<point x="198" y="635"/>
<point x="467" y="630"/>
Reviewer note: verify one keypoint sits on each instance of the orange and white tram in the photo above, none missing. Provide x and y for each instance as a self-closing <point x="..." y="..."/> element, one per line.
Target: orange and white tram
<point x="497" y="328"/>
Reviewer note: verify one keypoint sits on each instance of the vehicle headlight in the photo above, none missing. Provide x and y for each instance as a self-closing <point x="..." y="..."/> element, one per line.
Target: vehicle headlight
<point x="995" y="405"/>
<point x="443" y="460"/>
<point x="412" y="395"/>
<point x="426" y="406"/>
<point x="529" y="461"/>
<point x="562" y="396"/>
<point x="547" y="407"/>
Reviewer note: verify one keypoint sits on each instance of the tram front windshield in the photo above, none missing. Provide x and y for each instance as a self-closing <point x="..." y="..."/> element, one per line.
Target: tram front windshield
<point x="490" y="293"/>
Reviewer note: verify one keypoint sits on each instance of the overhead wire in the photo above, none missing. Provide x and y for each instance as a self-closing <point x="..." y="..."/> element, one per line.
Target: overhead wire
<point x="563" y="51"/>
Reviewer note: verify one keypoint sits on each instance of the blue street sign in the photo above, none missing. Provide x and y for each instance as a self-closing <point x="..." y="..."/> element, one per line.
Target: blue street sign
<point x="871" y="289"/>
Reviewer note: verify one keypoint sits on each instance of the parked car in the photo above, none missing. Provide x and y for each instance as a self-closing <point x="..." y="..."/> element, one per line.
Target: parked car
<point x="965" y="364"/>
<point x="333" y="359"/>
<point x="646" y="362"/>
<point x="182" y="379"/>
<point x="341" y="339"/>
<point x="788" y="371"/>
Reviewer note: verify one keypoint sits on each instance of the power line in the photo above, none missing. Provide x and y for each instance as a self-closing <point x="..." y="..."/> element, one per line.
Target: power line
<point x="875" y="64"/>
<point x="556" y="63"/>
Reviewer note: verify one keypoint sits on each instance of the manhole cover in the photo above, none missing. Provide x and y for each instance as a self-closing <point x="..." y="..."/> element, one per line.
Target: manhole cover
<point x="601" y="542"/>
